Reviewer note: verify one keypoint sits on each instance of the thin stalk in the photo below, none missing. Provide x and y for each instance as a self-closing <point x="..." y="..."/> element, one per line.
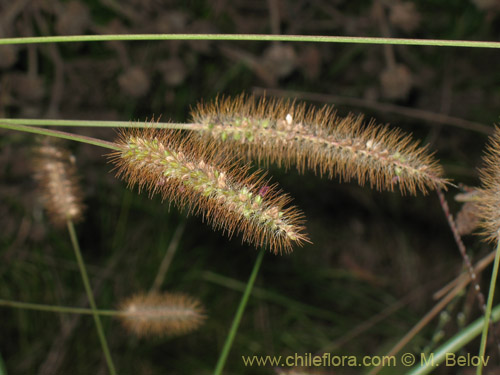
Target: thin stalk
<point x="239" y="313"/>
<point x="487" y="314"/>
<point x="419" y="326"/>
<point x="446" y="298"/>
<point x="167" y="259"/>
<point x="3" y="369"/>
<point x="57" y="309"/>
<point x="251" y="37"/>
<point x="455" y="343"/>
<point x="60" y="134"/>
<point x="462" y="249"/>
<point x="465" y="276"/>
<point x="270" y="296"/>
<point x="97" y="124"/>
<point x="90" y="296"/>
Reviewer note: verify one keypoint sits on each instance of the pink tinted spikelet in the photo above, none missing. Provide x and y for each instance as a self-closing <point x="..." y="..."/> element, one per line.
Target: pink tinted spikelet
<point x="195" y="176"/>
<point x="488" y="199"/>
<point x="165" y="314"/>
<point x="55" y="172"/>
<point x="286" y="133"/>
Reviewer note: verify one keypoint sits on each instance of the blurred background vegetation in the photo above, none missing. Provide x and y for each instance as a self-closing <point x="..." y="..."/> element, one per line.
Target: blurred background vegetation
<point x="372" y="251"/>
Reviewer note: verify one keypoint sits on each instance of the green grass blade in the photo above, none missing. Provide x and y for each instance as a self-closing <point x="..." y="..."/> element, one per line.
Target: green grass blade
<point x="96" y="124"/>
<point x="3" y="369"/>
<point x="56" y="309"/>
<point x="454" y="344"/>
<point x="487" y="314"/>
<point x="60" y="134"/>
<point x="251" y="37"/>
<point x="90" y="296"/>
<point x="239" y="313"/>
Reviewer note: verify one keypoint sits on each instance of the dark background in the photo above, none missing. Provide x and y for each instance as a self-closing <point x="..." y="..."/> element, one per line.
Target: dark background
<point x="371" y="249"/>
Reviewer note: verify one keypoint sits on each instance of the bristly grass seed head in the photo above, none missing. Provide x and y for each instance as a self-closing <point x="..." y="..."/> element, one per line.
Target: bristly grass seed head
<point x="194" y="175"/>
<point x="287" y="133"/>
<point x="488" y="199"/>
<point x="55" y="171"/>
<point x="165" y="314"/>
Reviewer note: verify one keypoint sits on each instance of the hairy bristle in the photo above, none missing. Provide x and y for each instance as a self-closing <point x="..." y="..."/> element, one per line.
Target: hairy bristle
<point x="287" y="133"/>
<point x="55" y="171"/>
<point x="165" y="314"/>
<point x="488" y="199"/>
<point x="193" y="175"/>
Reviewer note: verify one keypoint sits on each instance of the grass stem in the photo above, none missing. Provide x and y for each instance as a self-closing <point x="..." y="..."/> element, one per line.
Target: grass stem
<point x="59" y="134"/>
<point x="57" y="309"/>
<point x="167" y="259"/>
<point x="251" y="37"/>
<point x="487" y="314"/>
<point x="239" y="313"/>
<point x="454" y="344"/>
<point x="3" y="370"/>
<point x="90" y="295"/>
<point x="98" y="123"/>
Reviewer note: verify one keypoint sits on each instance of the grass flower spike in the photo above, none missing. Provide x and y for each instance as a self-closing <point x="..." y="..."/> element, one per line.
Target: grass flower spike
<point x="161" y="314"/>
<point x="55" y="172"/>
<point x="488" y="199"/>
<point x="287" y="133"/>
<point x="192" y="174"/>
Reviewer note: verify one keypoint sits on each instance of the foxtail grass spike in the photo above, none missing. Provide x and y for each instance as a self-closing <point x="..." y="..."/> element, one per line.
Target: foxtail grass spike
<point x="54" y="169"/>
<point x="488" y="199"/>
<point x="194" y="175"/>
<point x="165" y="314"/>
<point x="287" y="133"/>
